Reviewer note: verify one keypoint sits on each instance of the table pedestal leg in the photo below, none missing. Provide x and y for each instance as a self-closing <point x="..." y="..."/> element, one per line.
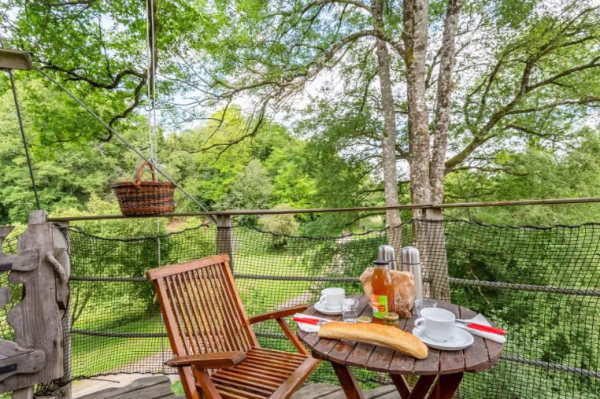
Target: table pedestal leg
<point x="422" y="387"/>
<point x="446" y="386"/>
<point x="401" y="385"/>
<point x="347" y="381"/>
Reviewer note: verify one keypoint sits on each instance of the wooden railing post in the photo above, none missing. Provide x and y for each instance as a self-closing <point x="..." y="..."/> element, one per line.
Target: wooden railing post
<point x="60" y="235"/>
<point x="37" y="350"/>
<point x="225" y="238"/>
<point x="436" y="260"/>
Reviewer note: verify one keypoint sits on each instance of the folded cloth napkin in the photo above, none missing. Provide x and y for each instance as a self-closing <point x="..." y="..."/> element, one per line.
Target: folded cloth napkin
<point x="308" y="327"/>
<point x="480" y="319"/>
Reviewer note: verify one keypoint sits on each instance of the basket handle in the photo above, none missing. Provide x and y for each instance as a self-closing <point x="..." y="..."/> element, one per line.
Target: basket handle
<point x="138" y="180"/>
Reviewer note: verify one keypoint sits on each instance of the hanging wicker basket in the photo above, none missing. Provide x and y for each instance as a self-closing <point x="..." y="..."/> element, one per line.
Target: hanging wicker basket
<point x="145" y="197"/>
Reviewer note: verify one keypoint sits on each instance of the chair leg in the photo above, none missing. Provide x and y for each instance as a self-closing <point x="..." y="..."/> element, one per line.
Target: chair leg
<point x="208" y="388"/>
<point x="187" y="382"/>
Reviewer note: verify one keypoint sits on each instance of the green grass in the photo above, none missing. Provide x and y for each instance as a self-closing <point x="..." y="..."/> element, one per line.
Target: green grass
<point x="97" y="355"/>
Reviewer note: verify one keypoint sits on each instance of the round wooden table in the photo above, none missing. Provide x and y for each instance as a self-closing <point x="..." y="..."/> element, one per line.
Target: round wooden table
<point x="442" y="368"/>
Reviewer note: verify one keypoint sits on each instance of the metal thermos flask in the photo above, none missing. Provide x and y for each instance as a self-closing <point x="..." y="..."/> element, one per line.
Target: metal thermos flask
<point x="411" y="261"/>
<point x="386" y="252"/>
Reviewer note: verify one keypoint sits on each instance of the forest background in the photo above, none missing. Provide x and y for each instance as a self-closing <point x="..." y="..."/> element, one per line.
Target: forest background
<point x="287" y="104"/>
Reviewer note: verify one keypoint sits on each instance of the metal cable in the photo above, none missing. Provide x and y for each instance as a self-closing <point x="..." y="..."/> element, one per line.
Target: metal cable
<point x="25" y="145"/>
<point x="120" y="137"/>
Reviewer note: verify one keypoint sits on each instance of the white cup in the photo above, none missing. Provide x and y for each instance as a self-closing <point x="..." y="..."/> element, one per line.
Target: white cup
<point x="439" y="324"/>
<point x="331" y="298"/>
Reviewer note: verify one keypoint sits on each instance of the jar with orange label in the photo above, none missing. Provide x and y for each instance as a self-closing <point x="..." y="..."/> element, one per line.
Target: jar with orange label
<point x="382" y="300"/>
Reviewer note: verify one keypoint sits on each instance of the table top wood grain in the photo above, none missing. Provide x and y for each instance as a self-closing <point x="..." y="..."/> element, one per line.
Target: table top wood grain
<point x="480" y="356"/>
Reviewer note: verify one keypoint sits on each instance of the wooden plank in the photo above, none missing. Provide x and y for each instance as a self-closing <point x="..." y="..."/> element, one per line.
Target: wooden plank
<point x="271" y="364"/>
<point x="243" y="385"/>
<point x="27" y="363"/>
<point x="380" y="359"/>
<point x="476" y="355"/>
<point x="209" y="360"/>
<point x="177" y="346"/>
<point x="237" y="301"/>
<point x="279" y="353"/>
<point x="23" y="393"/>
<point x="249" y="384"/>
<point x="360" y="355"/>
<point x="170" y="270"/>
<point x="451" y="361"/>
<point x="325" y="346"/>
<point x="257" y="353"/>
<point x="279" y="313"/>
<point x="24" y="262"/>
<point x="297" y="378"/>
<point x="15" y="59"/>
<point x="264" y="369"/>
<point x="402" y="364"/>
<point x="37" y="318"/>
<point x="342" y="349"/>
<point x="143" y="385"/>
<point x="252" y="375"/>
<point x="4" y="296"/>
<point x="316" y="391"/>
<point x="4" y="232"/>
<point x="429" y="366"/>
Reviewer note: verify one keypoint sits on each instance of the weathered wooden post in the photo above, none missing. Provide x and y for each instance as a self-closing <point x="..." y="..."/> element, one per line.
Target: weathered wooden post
<point x="436" y="261"/>
<point x="36" y="354"/>
<point x="225" y="237"/>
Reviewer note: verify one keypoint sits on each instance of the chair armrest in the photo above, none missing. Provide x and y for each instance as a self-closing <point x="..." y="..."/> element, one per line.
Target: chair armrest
<point x="278" y="314"/>
<point x="219" y="360"/>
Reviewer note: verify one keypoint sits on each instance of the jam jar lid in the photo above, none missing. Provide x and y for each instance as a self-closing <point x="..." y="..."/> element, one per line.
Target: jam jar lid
<point x="391" y="317"/>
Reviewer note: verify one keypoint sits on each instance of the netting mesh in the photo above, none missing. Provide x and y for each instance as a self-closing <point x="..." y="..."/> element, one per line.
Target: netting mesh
<point x="541" y="284"/>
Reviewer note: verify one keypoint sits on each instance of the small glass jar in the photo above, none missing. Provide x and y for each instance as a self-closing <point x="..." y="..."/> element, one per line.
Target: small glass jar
<point x="391" y="319"/>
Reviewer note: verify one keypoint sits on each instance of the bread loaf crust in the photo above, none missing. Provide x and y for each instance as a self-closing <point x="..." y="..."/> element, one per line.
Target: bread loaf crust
<point x="377" y="334"/>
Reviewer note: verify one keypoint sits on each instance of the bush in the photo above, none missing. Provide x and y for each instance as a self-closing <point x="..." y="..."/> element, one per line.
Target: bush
<point x="281" y="225"/>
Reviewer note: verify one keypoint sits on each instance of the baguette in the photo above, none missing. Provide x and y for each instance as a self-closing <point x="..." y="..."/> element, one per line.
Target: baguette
<point x="377" y="334"/>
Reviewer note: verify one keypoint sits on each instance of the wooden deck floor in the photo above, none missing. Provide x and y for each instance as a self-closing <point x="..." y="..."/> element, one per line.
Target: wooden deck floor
<point x="160" y="388"/>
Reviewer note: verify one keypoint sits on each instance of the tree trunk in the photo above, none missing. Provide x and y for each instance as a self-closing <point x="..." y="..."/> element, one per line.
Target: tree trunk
<point x="388" y="138"/>
<point x="415" y="36"/>
<point x="444" y="101"/>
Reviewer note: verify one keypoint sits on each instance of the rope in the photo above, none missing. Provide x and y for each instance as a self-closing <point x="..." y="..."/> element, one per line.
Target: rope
<point x="25" y="145"/>
<point x="120" y="137"/>
<point x="152" y="140"/>
<point x="453" y="281"/>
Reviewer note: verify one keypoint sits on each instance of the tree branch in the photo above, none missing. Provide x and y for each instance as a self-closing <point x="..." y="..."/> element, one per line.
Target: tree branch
<point x="325" y="2"/>
<point x="116" y="80"/>
<point x="70" y="3"/>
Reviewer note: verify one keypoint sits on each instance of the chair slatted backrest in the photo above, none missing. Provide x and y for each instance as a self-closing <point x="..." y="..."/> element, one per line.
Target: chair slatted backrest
<point x="202" y="308"/>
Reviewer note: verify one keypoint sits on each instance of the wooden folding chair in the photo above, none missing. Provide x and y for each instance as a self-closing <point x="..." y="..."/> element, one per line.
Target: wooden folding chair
<point x="216" y="350"/>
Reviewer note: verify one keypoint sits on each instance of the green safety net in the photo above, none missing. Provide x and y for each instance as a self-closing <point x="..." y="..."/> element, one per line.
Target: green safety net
<point x="540" y="284"/>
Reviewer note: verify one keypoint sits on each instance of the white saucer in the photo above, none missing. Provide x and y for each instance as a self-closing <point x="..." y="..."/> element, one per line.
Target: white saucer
<point x="460" y="340"/>
<point x="321" y="309"/>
